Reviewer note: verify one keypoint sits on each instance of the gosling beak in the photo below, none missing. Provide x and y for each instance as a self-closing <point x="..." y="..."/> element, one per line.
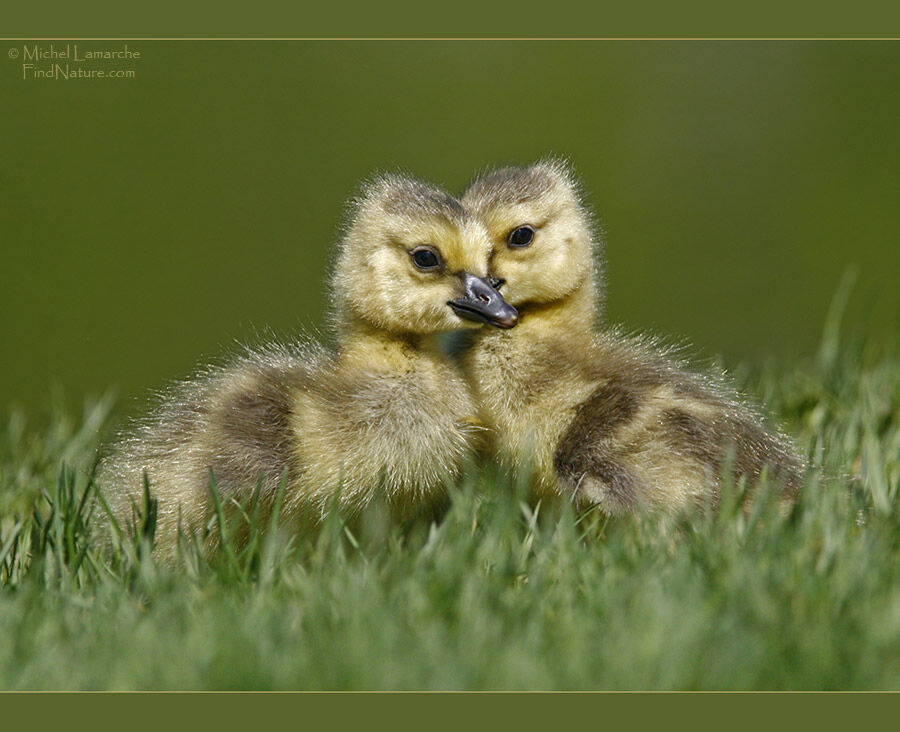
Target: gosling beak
<point x="483" y="303"/>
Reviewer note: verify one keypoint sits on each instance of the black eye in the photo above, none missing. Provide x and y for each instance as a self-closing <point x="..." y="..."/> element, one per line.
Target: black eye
<point x="521" y="237"/>
<point x="425" y="258"/>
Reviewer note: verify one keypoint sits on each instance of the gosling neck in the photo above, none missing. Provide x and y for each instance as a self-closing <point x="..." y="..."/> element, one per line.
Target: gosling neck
<point x="362" y="344"/>
<point x="571" y="319"/>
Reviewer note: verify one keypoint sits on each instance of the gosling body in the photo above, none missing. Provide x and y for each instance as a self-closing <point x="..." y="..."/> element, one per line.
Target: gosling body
<point x="381" y="418"/>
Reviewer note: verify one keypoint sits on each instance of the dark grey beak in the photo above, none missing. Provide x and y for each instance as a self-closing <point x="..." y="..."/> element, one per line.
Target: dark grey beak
<point x="483" y="303"/>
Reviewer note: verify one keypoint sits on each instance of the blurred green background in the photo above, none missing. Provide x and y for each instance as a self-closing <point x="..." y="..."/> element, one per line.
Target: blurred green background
<point x="147" y="223"/>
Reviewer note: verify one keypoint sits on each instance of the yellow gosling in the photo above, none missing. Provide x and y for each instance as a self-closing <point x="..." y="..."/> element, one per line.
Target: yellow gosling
<point x="607" y="420"/>
<point x="383" y="416"/>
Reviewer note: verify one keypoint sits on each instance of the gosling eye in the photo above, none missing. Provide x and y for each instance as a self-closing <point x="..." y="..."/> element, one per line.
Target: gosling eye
<point x="426" y="258"/>
<point x="521" y="236"/>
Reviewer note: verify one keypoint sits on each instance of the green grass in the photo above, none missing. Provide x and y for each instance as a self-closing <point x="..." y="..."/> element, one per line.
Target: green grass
<point x="494" y="596"/>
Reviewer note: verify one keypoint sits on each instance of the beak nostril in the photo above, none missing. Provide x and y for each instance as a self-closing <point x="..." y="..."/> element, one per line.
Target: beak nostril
<point x="484" y="298"/>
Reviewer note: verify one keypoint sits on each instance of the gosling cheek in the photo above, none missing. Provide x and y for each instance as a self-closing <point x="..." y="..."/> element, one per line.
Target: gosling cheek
<point x="514" y="290"/>
<point x="437" y="316"/>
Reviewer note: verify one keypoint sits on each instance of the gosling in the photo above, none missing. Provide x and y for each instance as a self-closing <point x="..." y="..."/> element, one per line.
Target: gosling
<point x="383" y="415"/>
<point x="606" y="420"/>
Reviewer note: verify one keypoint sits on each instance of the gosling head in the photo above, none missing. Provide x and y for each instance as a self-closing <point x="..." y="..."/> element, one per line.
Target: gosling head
<point x="540" y="232"/>
<point x="413" y="261"/>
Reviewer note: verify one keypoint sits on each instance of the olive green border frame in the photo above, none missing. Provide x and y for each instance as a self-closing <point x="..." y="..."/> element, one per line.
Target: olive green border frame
<point x="460" y="19"/>
<point x="265" y="20"/>
<point x="436" y="712"/>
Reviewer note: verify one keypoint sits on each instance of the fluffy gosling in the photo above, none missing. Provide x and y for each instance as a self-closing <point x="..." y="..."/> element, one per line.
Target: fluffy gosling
<point x="607" y="420"/>
<point x="383" y="415"/>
